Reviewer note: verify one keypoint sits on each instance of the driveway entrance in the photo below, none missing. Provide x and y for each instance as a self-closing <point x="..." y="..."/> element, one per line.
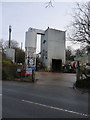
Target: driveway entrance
<point x="58" y="79"/>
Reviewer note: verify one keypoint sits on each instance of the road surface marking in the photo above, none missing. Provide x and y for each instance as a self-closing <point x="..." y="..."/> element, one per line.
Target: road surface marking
<point x="56" y="108"/>
<point x="0" y="94"/>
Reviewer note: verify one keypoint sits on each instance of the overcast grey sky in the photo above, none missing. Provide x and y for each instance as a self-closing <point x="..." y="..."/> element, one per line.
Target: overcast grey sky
<point x="22" y="15"/>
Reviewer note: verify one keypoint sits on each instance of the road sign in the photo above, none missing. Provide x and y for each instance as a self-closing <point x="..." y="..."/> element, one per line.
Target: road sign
<point x="29" y="71"/>
<point x="31" y="62"/>
<point x="33" y="67"/>
<point x="18" y="70"/>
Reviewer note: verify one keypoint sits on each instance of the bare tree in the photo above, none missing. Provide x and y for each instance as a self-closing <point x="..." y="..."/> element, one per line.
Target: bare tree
<point x="81" y="29"/>
<point x="1" y="43"/>
<point x="14" y="44"/>
<point x="81" y="23"/>
<point x="49" y="4"/>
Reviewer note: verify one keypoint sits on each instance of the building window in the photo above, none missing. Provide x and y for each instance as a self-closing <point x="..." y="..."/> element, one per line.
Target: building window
<point x="44" y="41"/>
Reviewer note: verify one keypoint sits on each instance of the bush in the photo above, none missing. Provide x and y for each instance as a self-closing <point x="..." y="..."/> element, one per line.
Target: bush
<point x="85" y="83"/>
<point x="6" y="62"/>
<point x="8" y="70"/>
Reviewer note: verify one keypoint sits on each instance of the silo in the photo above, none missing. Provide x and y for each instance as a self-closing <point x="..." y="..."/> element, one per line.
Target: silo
<point x="31" y="37"/>
<point x="30" y="43"/>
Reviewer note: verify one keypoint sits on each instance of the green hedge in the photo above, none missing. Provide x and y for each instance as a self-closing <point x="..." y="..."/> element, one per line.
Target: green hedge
<point x="6" y="62"/>
<point x="8" y="70"/>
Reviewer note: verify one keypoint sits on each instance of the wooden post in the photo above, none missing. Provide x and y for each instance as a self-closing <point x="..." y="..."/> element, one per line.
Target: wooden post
<point x="33" y="76"/>
<point x="77" y="71"/>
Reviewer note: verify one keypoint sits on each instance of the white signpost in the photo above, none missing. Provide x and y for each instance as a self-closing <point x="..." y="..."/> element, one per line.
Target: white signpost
<point x="29" y="71"/>
<point x="31" y="62"/>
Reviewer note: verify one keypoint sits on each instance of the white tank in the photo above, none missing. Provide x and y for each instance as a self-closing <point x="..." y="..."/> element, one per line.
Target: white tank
<point x="10" y="53"/>
<point x="31" y="38"/>
<point x="30" y="43"/>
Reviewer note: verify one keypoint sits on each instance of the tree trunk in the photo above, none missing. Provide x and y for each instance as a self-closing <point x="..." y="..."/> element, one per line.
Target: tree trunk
<point x="88" y="55"/>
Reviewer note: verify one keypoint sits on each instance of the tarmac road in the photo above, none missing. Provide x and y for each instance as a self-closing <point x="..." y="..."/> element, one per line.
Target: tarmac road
<point x="36" y="100"/>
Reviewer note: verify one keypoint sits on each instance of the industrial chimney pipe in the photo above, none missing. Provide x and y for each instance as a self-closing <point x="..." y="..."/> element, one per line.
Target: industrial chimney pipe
<point x="9" y="36"/>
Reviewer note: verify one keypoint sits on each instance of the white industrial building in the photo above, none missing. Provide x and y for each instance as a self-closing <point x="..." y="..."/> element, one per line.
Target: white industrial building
<point x="52" y="47"/>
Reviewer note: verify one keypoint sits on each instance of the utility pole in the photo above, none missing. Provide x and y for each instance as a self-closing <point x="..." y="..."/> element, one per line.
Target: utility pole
<point x="10" y="35"/>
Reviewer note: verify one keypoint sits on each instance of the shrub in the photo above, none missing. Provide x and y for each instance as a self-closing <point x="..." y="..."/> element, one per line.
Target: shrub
<point x="85" y="83"/>
<point x="6" y="62"/>
<point x="8" y="70"/>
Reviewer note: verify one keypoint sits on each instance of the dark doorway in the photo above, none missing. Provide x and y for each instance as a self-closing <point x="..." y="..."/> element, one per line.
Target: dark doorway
<point x="56" y="65"/>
